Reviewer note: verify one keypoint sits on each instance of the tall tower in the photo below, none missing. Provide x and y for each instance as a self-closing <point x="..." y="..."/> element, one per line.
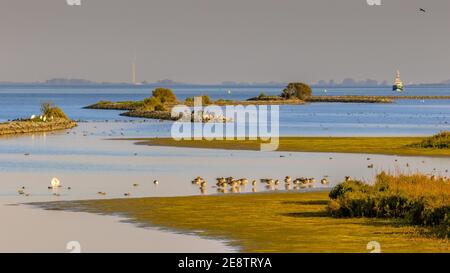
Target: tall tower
<point x="133" y="72"/>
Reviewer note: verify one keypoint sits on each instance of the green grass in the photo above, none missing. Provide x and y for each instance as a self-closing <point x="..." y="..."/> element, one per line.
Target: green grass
<point x="267" y="222"/>
<point x="417" y="198"/>
<point x="49" y="110"/>
<point x="120" y="105"/>
<point x="439" y="141"/>
<point x="369" y="145"/>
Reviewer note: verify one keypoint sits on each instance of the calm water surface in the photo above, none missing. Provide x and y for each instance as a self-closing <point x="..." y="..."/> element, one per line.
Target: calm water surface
<point x="404" y="117"/>
<point x="87" y="161"/>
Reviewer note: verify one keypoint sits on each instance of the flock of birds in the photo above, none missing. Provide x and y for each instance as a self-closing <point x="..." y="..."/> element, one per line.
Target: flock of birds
<point x="230" y="184"/>
<point x="233" y="185"/>
<point x="55" y="184"/>
<point x="223" y="184"/>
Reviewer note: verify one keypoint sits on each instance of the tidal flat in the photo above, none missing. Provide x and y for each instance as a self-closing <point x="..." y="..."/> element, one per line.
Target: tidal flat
<point x="84" y="159"/>
<point x="266" y="222"/>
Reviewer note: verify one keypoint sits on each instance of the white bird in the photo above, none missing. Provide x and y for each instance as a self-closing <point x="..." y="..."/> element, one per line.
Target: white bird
<point x="55" y="183"/>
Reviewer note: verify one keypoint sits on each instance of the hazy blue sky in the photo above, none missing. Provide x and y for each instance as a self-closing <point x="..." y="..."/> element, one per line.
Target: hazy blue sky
<point x="210" y="41"/>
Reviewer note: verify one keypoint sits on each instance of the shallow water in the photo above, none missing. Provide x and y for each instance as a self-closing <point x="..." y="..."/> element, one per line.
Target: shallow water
<point x="88" y="163"/>
<point x="404" y="117"/>
<point x="85" y="160"/>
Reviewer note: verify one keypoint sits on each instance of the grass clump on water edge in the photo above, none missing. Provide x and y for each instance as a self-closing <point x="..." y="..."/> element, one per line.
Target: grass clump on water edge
<point x="438" y="141"/>
<point x="418" y="199"/>
<point x="50" y="111"/>
<point x="267" y="222"/>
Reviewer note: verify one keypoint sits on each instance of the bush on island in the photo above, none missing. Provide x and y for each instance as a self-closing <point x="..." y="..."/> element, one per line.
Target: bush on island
<point x="164" y="95"/>
<point x="49" y="110"/>
<point x="153" y="104"/>
<point x="297" y="90"/>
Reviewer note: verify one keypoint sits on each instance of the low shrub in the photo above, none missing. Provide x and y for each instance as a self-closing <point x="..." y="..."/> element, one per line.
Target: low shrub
<point x="438" y="141"/>
<point x="418" y="199"/>
<point x="164" y="95"/>
<point x="297" y="90"/>
<point x="153" y="104"/>
<point x="49" y="110"/>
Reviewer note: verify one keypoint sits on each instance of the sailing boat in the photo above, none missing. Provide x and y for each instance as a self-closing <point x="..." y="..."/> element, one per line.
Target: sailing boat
<point x="398" y="84"/>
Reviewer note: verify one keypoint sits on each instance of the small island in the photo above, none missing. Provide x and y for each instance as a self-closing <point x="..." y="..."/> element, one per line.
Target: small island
<point x="160" y="104"/>
<point x="52" y="118"/>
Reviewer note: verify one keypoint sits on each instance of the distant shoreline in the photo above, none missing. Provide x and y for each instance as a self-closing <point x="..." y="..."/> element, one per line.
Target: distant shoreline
<point x="221" y="85"/>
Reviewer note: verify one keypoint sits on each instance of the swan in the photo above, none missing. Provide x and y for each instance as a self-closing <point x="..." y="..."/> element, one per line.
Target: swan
<point x="55" y="183"/>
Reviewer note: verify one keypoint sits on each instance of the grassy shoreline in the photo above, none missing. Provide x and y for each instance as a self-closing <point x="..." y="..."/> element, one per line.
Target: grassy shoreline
<point x="366" y="145"/>
<point x="265" y="222"/>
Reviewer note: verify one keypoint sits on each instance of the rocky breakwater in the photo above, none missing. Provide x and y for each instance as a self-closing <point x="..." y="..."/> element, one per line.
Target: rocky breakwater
<point x="25" y="126"/>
